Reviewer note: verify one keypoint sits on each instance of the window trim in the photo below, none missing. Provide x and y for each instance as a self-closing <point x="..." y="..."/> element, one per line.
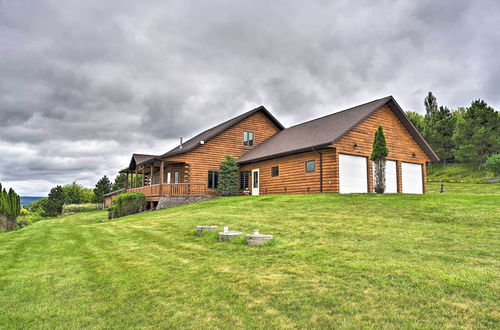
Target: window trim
<point x="246" y="143"/>
<point x="305" y="165"/>
<point x="272" y="173"/>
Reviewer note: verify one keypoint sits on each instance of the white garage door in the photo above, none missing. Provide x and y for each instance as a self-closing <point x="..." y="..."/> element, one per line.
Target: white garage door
<point x="353" y="174"/>
<point x="412" y="178"/>
<point x="391" y="178"/>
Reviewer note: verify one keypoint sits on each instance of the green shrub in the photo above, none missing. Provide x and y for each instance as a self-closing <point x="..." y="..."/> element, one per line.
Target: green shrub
<point x="76" y="208"/>
<point x="493" y="164"/>
<point x="128" y="203"/>
<point x="228" y="177"/>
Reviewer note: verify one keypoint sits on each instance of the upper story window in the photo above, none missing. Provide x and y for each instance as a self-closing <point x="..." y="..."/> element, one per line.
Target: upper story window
<point x="213" y="179"/>
<point x="275" y="171"/>
<point x="311" y="166"/>
<point x="248" y="139"/>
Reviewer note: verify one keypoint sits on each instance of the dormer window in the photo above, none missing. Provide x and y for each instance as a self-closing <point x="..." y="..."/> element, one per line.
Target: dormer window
<point x="248" y="139"/>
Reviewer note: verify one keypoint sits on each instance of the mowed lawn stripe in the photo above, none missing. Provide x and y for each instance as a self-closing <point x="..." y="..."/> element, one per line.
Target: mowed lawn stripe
<point x="338" y="261"/>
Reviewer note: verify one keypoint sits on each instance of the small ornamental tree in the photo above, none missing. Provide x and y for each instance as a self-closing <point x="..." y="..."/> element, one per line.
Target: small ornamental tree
<point x="378" y="156"/>
<point x="228" y="177"/>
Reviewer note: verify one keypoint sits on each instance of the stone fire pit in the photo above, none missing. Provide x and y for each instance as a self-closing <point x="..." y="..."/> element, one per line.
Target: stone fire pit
<point x="258" y="239"/>
<point x="202" y="229"/>
<point x="227" y="235"/>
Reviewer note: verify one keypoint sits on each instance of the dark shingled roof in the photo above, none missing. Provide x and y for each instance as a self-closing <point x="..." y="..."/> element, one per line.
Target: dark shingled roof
<point x="327" y="130"/>
<point x="138" y="159"/>
<point x="210" y="133"/>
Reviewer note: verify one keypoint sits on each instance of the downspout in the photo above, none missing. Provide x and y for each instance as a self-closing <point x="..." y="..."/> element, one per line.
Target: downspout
<point x="320" y="170"/>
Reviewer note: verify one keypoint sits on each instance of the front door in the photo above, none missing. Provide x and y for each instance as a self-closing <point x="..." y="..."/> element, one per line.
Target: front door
<point x="255" y="182"/>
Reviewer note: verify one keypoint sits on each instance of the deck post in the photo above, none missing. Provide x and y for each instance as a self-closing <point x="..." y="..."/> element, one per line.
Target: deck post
<point x="136" y="183"/>
<point x="126" y="182"/>
<point x="162" y="174"/>
<point x="143" y="176"/>
<point x="151" y="178"/>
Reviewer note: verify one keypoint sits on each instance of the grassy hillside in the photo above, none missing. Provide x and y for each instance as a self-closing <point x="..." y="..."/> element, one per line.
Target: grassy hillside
<point x="338" y="261"/>
<point x="468" y="173"/>
<point x="463" y="188"/>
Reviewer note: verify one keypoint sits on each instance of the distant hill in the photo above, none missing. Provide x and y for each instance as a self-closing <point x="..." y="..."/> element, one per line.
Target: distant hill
<point x="25" y="200"/>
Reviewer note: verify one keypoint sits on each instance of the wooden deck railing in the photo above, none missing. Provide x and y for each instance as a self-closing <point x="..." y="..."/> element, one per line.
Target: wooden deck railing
<point x="172" y="189"/>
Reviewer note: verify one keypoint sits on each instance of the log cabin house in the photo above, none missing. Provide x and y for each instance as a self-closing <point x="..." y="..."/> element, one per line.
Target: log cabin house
<point x="325" y="155"/>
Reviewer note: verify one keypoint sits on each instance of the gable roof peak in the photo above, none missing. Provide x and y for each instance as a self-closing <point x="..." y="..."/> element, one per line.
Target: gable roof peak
<point x="217" y="129"/>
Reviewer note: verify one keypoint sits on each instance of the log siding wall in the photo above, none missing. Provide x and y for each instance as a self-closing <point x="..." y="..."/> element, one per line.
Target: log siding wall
<point x="294" y="178"/>
<point x="207" y="157"/>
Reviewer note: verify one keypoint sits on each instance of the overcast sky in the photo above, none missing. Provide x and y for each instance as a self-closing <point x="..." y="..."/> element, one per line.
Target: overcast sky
<point x="84" y="84"/>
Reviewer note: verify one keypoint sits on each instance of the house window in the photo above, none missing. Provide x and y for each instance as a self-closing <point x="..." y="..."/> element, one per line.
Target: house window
<point x="248" y="139"/>
<point x="244" y="178"/>
<point x="176" y="177"/>
<point x="275" y="171"/>
<point x="213" y="178"/>
<point x="311" y="166"/>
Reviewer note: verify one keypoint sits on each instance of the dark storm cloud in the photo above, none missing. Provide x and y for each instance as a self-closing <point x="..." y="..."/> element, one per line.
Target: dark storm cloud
<point x="86" y="83"/>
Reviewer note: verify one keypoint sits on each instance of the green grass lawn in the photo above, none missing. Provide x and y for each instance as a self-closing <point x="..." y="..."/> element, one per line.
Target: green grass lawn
<point x="463" y="188"/>
<point x="408" y="261"/>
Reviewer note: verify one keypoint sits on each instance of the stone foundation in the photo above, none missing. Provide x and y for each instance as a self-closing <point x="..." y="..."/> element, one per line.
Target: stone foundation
<point x="169" y="201"/>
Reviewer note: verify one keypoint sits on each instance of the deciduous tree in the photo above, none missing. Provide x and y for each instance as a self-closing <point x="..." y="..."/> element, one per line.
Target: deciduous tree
<point x="55" y="202"/>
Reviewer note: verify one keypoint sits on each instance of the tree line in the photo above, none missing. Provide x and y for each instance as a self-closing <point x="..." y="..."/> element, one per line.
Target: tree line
<point x="74" y="193"/>
<point x="467" y="135"/>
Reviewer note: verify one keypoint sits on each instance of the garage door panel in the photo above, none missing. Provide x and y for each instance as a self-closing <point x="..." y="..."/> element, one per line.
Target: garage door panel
<point x="391" y="177"/>
<point x="353" y="176"/>
<point x="412" y="178"/>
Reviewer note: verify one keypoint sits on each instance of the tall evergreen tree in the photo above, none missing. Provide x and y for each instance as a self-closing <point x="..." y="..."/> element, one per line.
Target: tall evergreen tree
<point x="438" y="129"/>
<point x="378" y="156"/>
<point x="477" y="133"/>
<point x="102" y="187"/>
<point x="430" y="103"/>
<point x="228" y="177"/>
<point x="10" y="208"/>
<point x="417" y="120"/>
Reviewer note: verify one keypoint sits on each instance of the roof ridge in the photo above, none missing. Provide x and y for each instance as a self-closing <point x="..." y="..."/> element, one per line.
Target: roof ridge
<point x="335" y="113"/>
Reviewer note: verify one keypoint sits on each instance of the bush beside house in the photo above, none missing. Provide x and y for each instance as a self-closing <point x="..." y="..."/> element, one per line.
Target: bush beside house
<point x="128" y="203"/>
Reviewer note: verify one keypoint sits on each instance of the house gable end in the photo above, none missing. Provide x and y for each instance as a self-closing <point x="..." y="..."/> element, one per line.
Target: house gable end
<point x="400" y="142"/>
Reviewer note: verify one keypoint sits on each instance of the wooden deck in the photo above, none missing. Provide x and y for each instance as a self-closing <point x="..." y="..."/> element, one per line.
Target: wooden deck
<point x="172" y="189"/>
